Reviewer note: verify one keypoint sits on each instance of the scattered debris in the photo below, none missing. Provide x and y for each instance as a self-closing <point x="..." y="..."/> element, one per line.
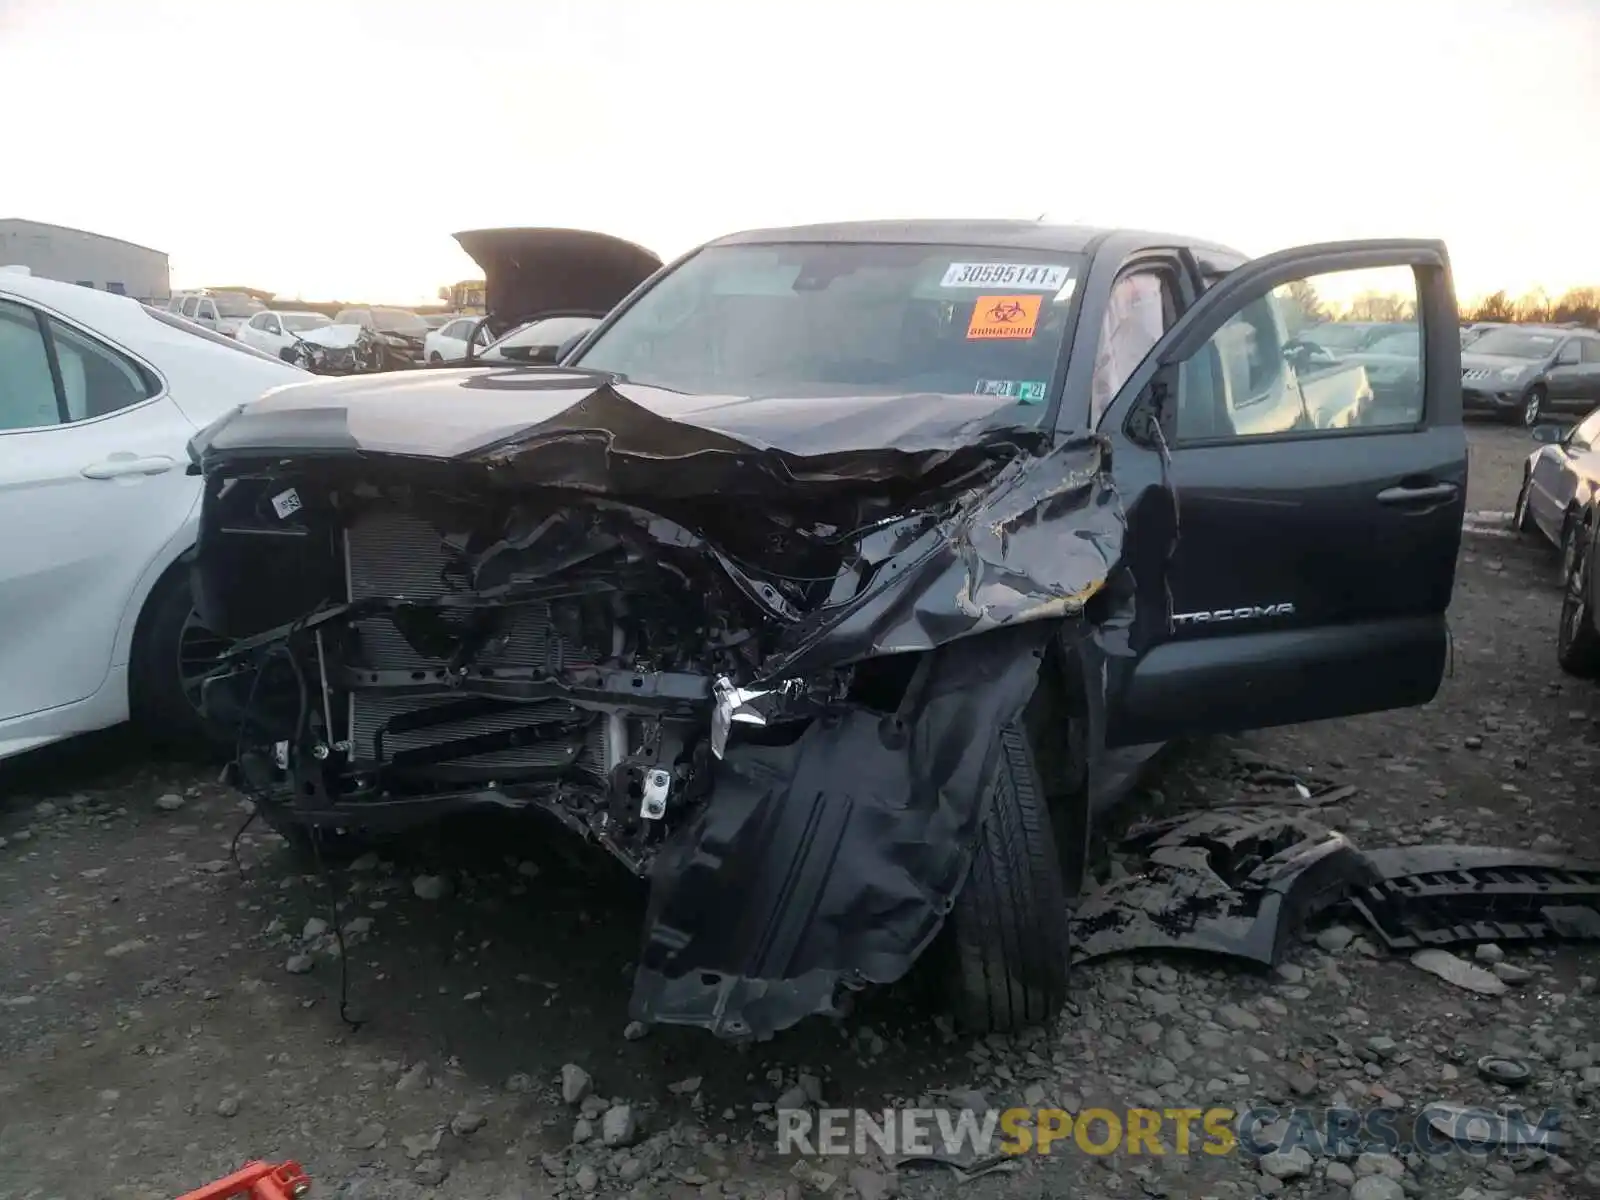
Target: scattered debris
<point x="430" y="887"/>
<point x="1458" y="971"/>
<point x="1234" y="883"/>
<point x="575" y="1083"/>
<point x="171" y="802"/>
<point x="1509" y="1071"/>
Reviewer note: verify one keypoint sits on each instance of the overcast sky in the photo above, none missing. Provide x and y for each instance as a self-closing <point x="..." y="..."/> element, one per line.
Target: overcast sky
<point x="329" y="149"/>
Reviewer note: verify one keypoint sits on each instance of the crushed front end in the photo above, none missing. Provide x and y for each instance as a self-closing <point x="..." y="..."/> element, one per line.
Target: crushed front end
<point x="752" y="677"/>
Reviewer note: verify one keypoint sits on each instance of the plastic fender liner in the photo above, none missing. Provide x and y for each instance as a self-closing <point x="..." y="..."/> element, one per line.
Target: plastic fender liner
<point x="831" y="863"/>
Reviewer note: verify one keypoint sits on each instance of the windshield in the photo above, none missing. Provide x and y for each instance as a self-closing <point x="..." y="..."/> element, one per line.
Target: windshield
<point x="841" y="319"/>
<point x="1337" y="335"/>
<point x="1516" y="343"/>
<point x="232" y="304"/>
<point x="295" y="322"/>
<point x="398" y="320"/>
<point x="539" y="340"/>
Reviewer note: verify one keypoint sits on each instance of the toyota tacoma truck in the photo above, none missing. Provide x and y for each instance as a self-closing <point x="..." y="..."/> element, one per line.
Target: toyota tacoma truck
<point x="820" y="580"/>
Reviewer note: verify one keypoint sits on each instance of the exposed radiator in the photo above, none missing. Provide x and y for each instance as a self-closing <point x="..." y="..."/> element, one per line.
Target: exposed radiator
<point x="396" y="555"/>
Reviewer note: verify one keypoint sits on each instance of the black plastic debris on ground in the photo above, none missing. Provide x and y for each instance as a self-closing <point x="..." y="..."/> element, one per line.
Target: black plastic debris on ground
<point x="1242" y="883"/>
<point x="1447" y="895"/>
<point x="1235" y="883"/>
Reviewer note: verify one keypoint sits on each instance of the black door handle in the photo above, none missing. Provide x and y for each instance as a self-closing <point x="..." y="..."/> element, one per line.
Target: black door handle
<point x="1431" y="493"/>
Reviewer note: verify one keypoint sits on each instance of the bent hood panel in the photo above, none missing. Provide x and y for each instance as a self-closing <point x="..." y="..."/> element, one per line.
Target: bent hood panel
<point x="513" y="418"/>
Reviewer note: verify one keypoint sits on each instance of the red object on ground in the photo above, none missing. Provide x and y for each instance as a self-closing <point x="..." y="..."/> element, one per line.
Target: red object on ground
<point x="256" y="1181"/>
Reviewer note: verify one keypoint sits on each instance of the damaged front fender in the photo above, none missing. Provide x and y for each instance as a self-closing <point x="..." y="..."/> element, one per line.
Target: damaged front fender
<point x="830" y="862"/>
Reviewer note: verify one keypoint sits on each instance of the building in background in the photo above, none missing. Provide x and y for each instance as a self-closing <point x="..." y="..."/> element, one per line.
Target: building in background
<point x="91" y="259"/>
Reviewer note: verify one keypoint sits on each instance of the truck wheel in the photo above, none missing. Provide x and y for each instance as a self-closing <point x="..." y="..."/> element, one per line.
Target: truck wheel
<point x="1010" y="928"/>
<point x="171" y="653"/>
<point x="1577" y="639"/>
<point x="1532" y="406"/>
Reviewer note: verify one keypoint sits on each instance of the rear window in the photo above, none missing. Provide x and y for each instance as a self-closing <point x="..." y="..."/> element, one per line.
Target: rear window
<point x="1337" y="335"/>
<point x="847" y="319"/>
<point x="1517" y="343"/>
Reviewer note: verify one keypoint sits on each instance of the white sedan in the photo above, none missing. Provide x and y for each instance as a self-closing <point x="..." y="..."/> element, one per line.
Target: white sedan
<point x="99" y="396"/>
<point x="274" y="332"/>
<point x="448" y="343"/>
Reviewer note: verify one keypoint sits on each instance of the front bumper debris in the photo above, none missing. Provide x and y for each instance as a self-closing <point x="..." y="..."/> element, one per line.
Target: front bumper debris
<point x="1242" y="882"/>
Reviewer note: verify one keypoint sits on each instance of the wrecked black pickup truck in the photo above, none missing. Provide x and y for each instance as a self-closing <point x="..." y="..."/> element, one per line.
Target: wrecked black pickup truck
<point x="815" y="583"/>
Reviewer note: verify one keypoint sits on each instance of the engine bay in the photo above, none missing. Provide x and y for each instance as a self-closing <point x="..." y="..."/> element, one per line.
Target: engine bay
<point x="405" y="648"/>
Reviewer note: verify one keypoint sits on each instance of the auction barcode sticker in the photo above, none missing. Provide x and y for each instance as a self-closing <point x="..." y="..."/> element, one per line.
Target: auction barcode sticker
<point x="1013" y="275"/>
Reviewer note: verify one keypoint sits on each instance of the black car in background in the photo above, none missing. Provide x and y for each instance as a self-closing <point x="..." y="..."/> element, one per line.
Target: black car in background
<point x="1521" y="372"/>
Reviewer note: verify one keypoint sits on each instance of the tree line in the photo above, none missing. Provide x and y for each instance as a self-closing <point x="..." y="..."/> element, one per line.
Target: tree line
<point x="1538" y="307"/>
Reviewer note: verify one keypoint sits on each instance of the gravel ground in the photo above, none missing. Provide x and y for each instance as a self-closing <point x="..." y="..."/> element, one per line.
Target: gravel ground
<point x="165" y="1016"/>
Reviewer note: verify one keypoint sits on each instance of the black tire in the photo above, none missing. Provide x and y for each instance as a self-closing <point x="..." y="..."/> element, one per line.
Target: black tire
<point x="1010" y="928"/>
<point x="1532" y="410"/>
<point x="1521" y="518"/>
<point x="170" y="653"/>
<point x="1577" y="639"/>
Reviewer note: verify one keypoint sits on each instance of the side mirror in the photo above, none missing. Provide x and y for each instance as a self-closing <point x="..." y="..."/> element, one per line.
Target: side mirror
<point x="1550" y="435"/>
<point x="1567" y="358"/>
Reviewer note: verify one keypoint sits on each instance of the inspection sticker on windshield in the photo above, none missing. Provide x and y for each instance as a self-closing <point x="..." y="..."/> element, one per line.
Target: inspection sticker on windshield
<point x="286" y="504"/>
<point x="1023" y="391"/>
<point x="1012" y="275"/>
<point x="1001" y="317"/>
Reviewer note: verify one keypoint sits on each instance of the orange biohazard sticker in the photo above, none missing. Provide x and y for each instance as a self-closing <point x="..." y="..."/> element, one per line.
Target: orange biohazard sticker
<point x="1004" y="317"/>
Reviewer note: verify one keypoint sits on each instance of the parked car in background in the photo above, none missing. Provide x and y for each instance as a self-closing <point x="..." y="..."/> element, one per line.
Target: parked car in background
<point x="273" y="331"/>
<point x="795" y="583"/>
<point x="401" y="328"/>
<point x="1345" y="337"/>
<point x="99" y="396"/>
<point x="1473" y="332"/>
<point x="1559" y="481"/>
<point x="540" y="341"/>
<point x="449" y="342"/>
<point x="223" y="312"/>
<point x="1521" y="372"/>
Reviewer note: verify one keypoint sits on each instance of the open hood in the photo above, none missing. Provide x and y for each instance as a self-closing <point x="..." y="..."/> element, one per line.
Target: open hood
<point x="534" y="271"/>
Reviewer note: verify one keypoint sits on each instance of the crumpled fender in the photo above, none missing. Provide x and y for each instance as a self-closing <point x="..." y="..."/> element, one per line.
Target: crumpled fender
<point x="830" y="863"/>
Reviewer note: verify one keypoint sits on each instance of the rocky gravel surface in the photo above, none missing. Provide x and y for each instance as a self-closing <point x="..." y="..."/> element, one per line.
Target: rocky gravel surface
<point x="167" y="1013"/>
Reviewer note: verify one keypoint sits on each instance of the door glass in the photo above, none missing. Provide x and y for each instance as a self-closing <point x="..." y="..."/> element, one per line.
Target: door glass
<point x="1590" y="348"/>
<point x="96" y="379"/>
<point x="1329" y="354"/>
<point x="27" y="393"/>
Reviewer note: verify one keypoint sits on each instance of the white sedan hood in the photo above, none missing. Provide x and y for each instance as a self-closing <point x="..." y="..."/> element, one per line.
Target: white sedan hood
<point x="332" y="337"/>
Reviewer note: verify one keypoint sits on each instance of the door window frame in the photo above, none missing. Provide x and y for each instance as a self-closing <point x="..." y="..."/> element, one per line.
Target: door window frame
<point x="1256" y="279"/>
<point x="43" y="316"/>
